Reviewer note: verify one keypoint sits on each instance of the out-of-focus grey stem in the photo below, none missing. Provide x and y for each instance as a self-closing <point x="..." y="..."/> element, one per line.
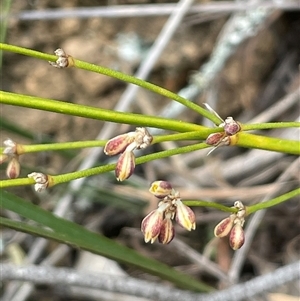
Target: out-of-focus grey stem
<point x="132" y="286"/>
<point x="147" y="10"/>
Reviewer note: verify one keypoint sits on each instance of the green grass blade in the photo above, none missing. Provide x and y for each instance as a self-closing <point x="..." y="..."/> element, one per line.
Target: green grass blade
<point x="68" y="232"/>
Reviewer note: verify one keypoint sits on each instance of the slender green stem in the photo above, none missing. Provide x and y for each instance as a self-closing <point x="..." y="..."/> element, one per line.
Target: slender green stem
<point x="105" y="168"/>
<point x="273" y="202"/>
<point x="98" y="113"/>
<point x="118" y="75"/>
<point x="197" y="203"/>
<point x="59" y="146"/>
<point x="270" y="125"/>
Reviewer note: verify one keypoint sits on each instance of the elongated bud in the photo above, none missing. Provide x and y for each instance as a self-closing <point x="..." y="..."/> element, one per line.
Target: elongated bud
<point x="125" y="166"/>
<point x="223" y="228"/>
<point x="167" y="231"/>
<point x="13" y="168"/>
<point x="151" y="225"/>
<point x="214" y="139"/>
<point x="185" y="216"/>
<point x="118" y="144"/>
<point x="161" y="189"/>
<point x="237" y="236"/>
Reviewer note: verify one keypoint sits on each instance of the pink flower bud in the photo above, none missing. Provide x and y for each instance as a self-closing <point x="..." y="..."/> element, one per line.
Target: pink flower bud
<point x="167" y="231"/>
<point x="13" y="168"/>
<point x="142" y="138"/>
<point x="237" y="236"/>
<point x="161" y="189"/>
<point x="223" y="228"/>
<point x="231" y="127"/>
<point x="185" y="216"/>
<point x="151" y="225"/>
<point x="118" y="144"/>
<point x="125" y="166"/>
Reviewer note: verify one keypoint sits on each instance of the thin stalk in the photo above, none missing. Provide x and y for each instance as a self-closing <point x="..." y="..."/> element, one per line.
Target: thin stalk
<point x="22" y="149"/>
<point x="197" y="203"/>
<point x="270" y="125"/>
<point x="59" y="179"/>
<point x="98" y="113"/>
<point x="273" y="202"/>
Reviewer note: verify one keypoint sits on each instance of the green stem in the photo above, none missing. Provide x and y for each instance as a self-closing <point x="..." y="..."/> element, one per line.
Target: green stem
<point x="270" y="125"/>
<point x="60" y="146"/>
<point x="268" y="143"/>
<point x="197" y="203"/>
<point x="106" y="168"/>
<point x="273" y="202"/>
<point x="98" y="113"/>
<point x="118" y="75"/>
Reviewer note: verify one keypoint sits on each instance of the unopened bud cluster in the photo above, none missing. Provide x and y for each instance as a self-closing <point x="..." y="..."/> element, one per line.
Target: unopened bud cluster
<point x="228" y="137"/>
<point x="233" y="226"/>
<point x="158" y="223"/>
<point x="125" y="145"/>
<point x="10" y="155"/>
<point x="64" y="60"/>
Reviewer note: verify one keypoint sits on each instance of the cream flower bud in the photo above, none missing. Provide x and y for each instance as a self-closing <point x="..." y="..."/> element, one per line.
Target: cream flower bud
<point x="41" y="181"/>
<point x="125" y="166"/>
<point x="185" y="216"/>
<point x="13" y="168"/>
<point x="161" y="189"/>
<point x="237" y="236"/>
<point x="10" y="147"/>
<point x="167" y="231"/>
<point x="142" y="138"/>
<point x="223" y="228"/>
<point x="118" y="144"/>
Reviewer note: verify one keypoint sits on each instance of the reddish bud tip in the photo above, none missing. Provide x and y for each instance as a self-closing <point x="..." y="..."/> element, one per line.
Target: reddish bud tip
<point x="13" y="168"/>
<point x="231" y="127"/>
<point x="161" y="189"/>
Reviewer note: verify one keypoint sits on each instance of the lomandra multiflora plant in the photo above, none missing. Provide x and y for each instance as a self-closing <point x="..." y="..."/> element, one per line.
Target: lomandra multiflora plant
<point x="157" y="225"/>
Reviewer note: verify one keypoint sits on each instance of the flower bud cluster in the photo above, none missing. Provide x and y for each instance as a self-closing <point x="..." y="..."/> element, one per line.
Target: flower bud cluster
<point x="125" y="145"/>
<point x="228" y="137"/>
<point x="41" y="181"/>
<point x="64" y="60"/>
<point x="158" y="223"/>
<point x="10" y="154"/>
<point x="233" y="226"/>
